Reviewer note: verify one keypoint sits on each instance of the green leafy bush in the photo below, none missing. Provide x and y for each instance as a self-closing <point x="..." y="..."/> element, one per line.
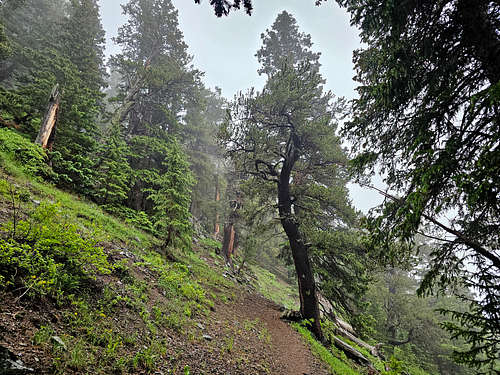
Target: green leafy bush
<point x="45" y="255"/>
<point x="30" y="155"/>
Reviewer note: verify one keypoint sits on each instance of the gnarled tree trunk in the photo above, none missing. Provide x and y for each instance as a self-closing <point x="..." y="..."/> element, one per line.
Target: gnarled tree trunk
<point x="229" y="243"/>
<point x="309" y="303"/>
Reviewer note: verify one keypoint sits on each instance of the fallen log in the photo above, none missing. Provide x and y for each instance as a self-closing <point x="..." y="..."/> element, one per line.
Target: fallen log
<point x="352" y="353"/>
<point x="374" y="350"/>
<point x="344" y="325"/>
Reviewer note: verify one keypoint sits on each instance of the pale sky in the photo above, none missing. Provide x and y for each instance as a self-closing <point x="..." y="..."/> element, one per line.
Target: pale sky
<point x="224" y="48"/>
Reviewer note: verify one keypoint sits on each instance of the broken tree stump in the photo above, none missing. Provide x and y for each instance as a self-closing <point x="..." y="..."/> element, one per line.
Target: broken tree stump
<point x="46" y="134"/>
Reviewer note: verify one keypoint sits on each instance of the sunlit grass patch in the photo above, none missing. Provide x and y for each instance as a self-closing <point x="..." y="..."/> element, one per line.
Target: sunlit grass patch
<point x="274" y="289"/>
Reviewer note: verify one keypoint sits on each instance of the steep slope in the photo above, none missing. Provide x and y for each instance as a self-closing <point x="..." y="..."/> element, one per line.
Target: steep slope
<point x="83" y="292"/>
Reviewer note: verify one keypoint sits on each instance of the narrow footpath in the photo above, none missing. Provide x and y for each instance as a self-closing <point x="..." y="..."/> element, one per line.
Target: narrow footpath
<point x="246" y="336"/>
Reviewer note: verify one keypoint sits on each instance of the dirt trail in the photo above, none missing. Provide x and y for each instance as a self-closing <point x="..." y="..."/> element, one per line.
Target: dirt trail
<point x="247" y="337"/>
<point x="290" y="354"/>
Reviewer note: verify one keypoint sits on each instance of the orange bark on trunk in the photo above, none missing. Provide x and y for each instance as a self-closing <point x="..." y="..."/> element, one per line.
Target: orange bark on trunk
<point x="46" y="134"/>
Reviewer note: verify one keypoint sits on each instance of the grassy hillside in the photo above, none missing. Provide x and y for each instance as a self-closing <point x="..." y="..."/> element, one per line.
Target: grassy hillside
<point x="70" y="271"/>
<point x="86" y="293"/>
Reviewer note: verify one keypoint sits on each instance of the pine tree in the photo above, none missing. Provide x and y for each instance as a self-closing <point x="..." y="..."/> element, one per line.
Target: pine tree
<point x="157" y="86"/>
<point x="205" y="156"/>
<point x="171" y="197"/>
<point x="83" y="42"/>
<point x="51" y="38"/>
<point x="5" y="48"/>
<point x="285" y="44"/>
<point x="157" y="81"/>
<point x="112" y="170"/>
<point x="428" y="115"/>
<point x="286" y="136"/>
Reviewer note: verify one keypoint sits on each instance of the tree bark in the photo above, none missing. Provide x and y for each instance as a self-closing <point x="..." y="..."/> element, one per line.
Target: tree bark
<point x="46" y="135"/>
<point x="344" y="325"/>
<point x="217" y="200"/>
<point x="372" y="349"/>
<point x="309" y="304"/>
<point x="228" y="242"/>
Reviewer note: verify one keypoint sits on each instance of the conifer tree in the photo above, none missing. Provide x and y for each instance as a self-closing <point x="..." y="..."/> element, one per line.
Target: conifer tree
<point x="284" y="43"/>
<point x="51" y="38"/>
<point x="157" y="85"/>
<point x="157" y="81"/>
<point x="112" y="170"/>
<point x="428" y="115"/>
<point x="205" y="156"/>
<point x="171" y="197"/>
<point x="286" y="136"/>
<point x="83" y="42"/>
<point x="5" y="48"/>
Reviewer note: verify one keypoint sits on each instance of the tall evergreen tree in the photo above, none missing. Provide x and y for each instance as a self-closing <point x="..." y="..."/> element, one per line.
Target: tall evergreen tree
<point x="171" y="197"/>
<point x="285" y="44"/>
<point x="113" y="174"/>
<point x="157" y="80"/>
<point x="29" y="24"/>
<point x="157" y="87"/>
<point x="428" y="115"/>
<point x="197" y="135"/>
<point x="50" y="38"/>
<point x="83" y="42"/>
<point x="286" y="136"/>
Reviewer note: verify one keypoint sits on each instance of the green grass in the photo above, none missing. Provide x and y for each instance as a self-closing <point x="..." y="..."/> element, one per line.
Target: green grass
<point x="336" y="365"/>
<point x="148" y="291"/>
<point x="376" y="362"/>
<point x="275" y="289"/>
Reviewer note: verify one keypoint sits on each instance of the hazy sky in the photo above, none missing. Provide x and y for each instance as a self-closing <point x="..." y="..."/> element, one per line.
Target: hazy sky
<point x="224" y="48"/>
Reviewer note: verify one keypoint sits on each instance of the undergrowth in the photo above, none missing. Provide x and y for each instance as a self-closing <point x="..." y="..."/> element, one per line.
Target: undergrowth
<point x="117" y="295"/>
<point x="45" y="255"/>
<point x="336" y="365"/>
<point x="274" y="289"/>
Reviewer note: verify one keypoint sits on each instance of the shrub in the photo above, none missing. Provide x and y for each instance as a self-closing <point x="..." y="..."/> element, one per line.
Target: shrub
<point x="30" y="155"/>
<point x="46" y="255"/>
